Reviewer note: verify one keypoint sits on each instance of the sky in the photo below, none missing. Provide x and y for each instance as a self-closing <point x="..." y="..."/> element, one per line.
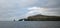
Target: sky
<point x="18" y="9"/>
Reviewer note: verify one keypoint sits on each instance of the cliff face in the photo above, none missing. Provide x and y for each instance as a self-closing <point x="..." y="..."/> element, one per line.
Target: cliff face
<point x="43" y="18"/>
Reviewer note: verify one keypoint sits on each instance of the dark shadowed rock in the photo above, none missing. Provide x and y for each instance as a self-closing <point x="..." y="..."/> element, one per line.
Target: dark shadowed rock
<point x="42" y="18"/>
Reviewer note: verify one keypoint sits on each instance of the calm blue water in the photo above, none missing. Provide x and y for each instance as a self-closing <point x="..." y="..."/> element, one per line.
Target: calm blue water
<point x="30" y="24"/>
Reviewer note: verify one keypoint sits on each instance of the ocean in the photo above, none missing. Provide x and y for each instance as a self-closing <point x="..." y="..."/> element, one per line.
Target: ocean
<point x="29" y="24"/>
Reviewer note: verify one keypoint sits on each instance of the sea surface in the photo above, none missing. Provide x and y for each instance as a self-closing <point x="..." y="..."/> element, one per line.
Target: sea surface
<point x="29" y="24"/>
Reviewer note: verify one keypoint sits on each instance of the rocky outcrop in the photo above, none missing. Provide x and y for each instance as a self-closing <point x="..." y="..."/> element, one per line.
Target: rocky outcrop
<point x="42" y="18"/>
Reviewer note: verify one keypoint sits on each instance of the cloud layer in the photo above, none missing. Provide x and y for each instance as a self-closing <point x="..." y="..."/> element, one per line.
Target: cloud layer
<point x="52" y="8"/>
<point x="53" y="4"/>
<point x="10" y="9"/>
<point x="14" y="8"/>
<point x="43" y="11"/>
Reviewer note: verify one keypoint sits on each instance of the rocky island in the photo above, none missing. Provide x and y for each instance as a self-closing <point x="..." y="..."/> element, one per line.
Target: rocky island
<point x="40" y="17"/>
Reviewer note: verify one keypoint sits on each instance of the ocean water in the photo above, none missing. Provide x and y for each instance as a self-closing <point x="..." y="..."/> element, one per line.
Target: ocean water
<point x="30" y="24"/>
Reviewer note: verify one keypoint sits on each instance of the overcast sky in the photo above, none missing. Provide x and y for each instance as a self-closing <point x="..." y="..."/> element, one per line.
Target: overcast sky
<point x="17" y="9"/>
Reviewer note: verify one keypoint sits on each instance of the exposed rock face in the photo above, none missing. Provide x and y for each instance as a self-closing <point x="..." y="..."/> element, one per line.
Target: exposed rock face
<point x="43" y="18"/>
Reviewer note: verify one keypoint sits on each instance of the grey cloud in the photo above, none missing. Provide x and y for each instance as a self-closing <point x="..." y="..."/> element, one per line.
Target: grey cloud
<point x="12" y="8"/>
<point x="40" y="3"/>
<point x="53" y="4"/>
